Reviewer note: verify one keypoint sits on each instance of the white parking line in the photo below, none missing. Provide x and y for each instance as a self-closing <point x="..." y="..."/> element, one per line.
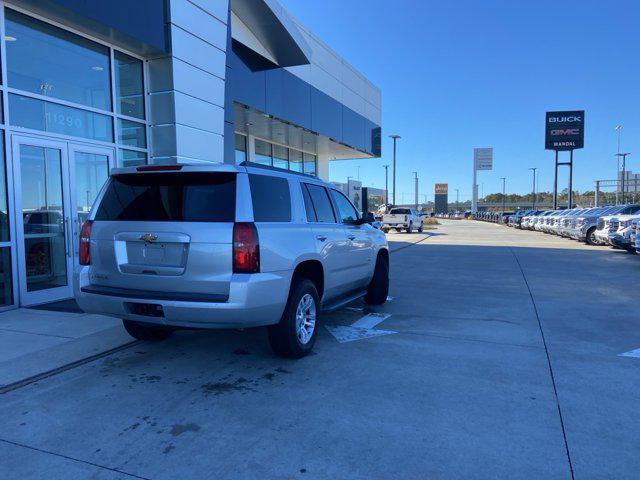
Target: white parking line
<point x="360" y="329"/>
<point x="632" y="353"/>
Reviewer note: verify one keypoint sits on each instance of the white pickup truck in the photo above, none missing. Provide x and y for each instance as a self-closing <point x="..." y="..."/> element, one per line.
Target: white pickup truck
<point x="401" y="219"/>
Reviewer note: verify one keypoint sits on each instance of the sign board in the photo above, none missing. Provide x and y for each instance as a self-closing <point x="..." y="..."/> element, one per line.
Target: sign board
<point x="442" y="188"/>
<point x="564" y="130"/>
<point x="483" y="158"/>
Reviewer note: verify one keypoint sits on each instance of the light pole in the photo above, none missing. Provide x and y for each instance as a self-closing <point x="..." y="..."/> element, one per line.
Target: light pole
<point x="619" y="130"/>
<point x="457" y="199"/>
<point x="624" y="171"/>
<point x="415" y="174"/>
<point x="386" y="184"/>
<point x="395" y="138"/>
<point x="533" y="169"/>
<point x="504" y="183"/>
<point x="349" y="187"/>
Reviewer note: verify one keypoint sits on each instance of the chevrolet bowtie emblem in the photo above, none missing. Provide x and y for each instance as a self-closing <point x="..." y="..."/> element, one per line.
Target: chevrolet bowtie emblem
<point x="147" y="237"/>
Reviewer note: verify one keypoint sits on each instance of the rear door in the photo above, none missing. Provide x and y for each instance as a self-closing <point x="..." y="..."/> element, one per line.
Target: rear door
<point x="331" y="240"/>
<point x="168" y="232"/>
<point x="360" y="242"/>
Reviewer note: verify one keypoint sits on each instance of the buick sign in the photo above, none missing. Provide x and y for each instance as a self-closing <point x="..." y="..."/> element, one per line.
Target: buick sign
<point x="564" y="130"/>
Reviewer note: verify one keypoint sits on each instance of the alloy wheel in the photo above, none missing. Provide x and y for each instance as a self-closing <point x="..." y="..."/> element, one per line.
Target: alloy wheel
<point x="305" y="318"/>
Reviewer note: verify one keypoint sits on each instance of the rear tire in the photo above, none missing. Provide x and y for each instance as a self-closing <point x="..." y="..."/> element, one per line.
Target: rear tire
<point x="143" y="331"/>
<point x="295" y="335"/>
<point x="410" y="228"/>
<point x="378" y="288"/>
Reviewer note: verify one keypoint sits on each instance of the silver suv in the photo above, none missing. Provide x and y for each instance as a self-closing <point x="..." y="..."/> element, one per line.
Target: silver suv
<point x="179" y="246"/>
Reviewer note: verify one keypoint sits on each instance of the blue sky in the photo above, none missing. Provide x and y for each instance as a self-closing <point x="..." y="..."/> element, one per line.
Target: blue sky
<point x="458" y="74"/>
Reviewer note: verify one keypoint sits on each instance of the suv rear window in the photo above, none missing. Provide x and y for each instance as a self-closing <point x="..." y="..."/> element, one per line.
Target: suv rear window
<point x="170" y="197"/>
<point x="400" y="211"/>
<point x="271" y="198"/>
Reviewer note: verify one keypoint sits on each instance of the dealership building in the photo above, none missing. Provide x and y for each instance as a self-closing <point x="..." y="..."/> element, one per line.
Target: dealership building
<point x="92" y="85"/>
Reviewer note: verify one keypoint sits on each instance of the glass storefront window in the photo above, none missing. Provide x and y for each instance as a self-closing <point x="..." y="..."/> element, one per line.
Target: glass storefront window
<point x="132" y="134"/>
<point x="280" y="157"/>
<point x="36" y="114"/>
<point x="295" y="160"/>
<point x="309" y="164"/>
<point x="91" y="171"/>
<point x="241" y="148"/>
<point x="129" y="85"/>
<point x="4" y="213"/>
<point x="50" y="61"/>
<point x="6" y="286"/>
<point x="263" y="153"/>
<point x="130" y="158"/>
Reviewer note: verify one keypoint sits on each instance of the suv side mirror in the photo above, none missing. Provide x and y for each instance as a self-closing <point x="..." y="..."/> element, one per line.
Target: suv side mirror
<point x="367" y="217"/>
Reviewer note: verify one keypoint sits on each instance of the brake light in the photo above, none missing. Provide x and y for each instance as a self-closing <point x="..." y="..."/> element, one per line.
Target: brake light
<point x="246" y="248"/>
<point x="84" y="254"/>
<point x="405" y="218"/>
<point x="158" y="168"/>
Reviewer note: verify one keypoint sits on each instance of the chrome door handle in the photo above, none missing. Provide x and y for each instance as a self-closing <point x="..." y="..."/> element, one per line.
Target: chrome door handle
<point x="322" y="238"/>
<point x="351" y="237"/>
<point x="67" y="237"/>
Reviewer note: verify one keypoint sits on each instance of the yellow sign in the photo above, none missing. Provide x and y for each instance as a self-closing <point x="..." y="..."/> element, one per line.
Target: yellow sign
<point x="442" y="188"/>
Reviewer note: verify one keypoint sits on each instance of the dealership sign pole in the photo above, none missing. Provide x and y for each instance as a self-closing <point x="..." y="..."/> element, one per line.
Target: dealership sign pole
<point x="564" y="131"/>
<point x="482" y="160"/>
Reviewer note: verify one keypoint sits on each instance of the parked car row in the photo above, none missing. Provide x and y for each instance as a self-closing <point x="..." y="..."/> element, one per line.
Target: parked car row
<point x="454" y="215"/>
<point x="613" y="225"/>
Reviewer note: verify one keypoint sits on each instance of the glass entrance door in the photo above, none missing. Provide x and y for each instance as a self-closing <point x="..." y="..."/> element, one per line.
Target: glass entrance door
<point x="42" y="220"/>
<point x="56" y="183"/>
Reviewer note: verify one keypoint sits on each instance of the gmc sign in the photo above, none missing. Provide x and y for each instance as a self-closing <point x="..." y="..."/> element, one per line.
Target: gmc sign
<point x="564" y="130"/>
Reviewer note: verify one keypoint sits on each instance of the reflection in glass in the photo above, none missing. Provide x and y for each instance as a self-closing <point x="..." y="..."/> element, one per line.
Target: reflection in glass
<point x="91" y="170"/>
<point x="241" y="148"/>
<point x="309" y="164"/>
<point x="263" y="153"/>
<point x="31" y="113"/>
<point x="4" y="217"/>
<point x="43" y="217"/>
<point x="50" y="61"/>
<point x="280" y="157"/>
<point x="6" y="286"/>
<point x="130" y="158"/>
<point x="129" y="85"/>
<point x="295" y="160"/>
<point x="132" y="134"/>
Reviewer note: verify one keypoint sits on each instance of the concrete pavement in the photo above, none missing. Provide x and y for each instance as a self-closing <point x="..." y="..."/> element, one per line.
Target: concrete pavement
<point x="505" y="364"/>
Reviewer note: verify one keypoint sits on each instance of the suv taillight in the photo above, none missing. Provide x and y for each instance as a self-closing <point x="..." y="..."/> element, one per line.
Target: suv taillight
<point x="405" y="218"/>
<point x="84" y="256"/>
<point x="246" y="248"/>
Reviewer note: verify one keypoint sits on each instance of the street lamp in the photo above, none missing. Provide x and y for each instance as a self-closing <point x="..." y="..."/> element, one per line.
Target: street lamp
<point x="619" y="130"/>
<point x="386" y="184"/>
<point x="457" y="199"/>
<point x="624" y="168"/>
<point x="533" y="169"/>
<point x="504" y="182"/>
<point x="416" y="188"/>
<point x="395" y="138"/>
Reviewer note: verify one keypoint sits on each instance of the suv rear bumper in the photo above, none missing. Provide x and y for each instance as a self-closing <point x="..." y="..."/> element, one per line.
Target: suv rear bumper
<point x="254" y="300"/>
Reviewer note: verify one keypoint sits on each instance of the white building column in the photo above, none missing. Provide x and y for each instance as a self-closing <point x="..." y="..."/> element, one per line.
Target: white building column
<point x="187" y="87"/>
<point x="323" y="167"/>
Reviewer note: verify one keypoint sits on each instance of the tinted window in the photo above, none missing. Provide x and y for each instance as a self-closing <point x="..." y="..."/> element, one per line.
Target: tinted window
<point x="170" y="197"/>
<point x="346" y="211"/>
<point x="308" y="204"/>
<point x="321" y="204"/>
<point x="271" y="199"/>
<point x="400" y="211"/>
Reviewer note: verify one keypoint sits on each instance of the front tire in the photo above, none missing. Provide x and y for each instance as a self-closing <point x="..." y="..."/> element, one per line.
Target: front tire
<point x="295" y="335"/>
<point x="591" y="236"/>
<point x="378" y="288"/>
<point x="420" y="228"/>
<point x="144" y="331"/>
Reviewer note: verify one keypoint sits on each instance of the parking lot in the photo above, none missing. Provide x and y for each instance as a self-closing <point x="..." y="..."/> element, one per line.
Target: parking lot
<point x="500" y="357"/>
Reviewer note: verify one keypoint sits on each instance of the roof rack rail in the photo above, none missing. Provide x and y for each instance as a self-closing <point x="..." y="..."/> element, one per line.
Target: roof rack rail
<point x="246" y="163"/>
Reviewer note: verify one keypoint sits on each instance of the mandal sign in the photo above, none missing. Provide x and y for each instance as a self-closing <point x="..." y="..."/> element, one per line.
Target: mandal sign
<point x="564" y="130"/>
<point x="483" y="158"/>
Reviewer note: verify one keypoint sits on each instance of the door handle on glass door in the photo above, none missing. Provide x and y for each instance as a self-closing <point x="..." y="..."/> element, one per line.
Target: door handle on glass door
<point x="67" y="237"/>
<point x="322" y="238"/>
<point x="351" y="237"/>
